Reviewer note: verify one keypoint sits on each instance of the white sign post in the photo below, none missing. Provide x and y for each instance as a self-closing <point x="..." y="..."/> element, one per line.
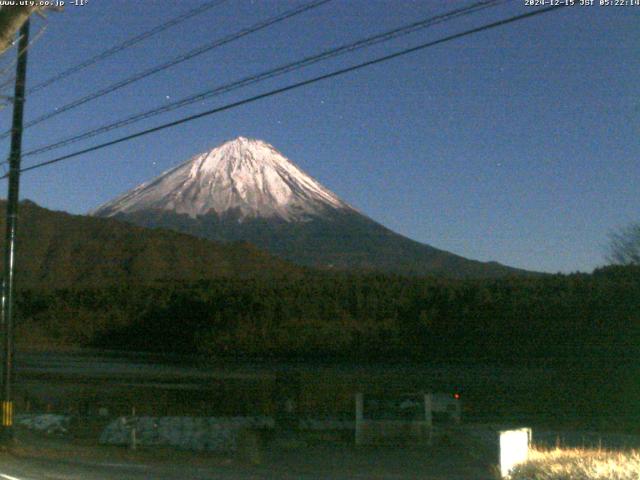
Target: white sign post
<point x="514" y="449"/>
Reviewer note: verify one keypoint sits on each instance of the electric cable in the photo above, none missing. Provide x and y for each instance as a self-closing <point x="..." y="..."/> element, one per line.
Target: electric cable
<point x="8" y="68"/>
<point x="293" y="86"/>
<point x="171" y="63"/>
<point x="126" y="44"/>
<point x="287" y="68"/>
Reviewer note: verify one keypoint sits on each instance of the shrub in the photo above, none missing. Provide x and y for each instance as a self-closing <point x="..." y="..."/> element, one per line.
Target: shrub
<point x="579" y="464"/>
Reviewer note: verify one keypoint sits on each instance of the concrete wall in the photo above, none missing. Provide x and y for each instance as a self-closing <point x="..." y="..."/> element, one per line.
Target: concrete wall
<point x="214" y="434"/>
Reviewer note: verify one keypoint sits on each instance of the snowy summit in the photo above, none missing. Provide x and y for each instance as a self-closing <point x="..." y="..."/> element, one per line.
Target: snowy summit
<point x="244" y="177"/>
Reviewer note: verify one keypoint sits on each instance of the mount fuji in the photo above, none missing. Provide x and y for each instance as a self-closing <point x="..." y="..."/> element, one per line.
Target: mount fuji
<point x="245" y="190"/>
<point x="242" y="178"/>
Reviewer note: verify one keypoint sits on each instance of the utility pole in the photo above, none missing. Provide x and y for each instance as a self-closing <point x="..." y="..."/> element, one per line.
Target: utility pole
<point x="6" y="432"/>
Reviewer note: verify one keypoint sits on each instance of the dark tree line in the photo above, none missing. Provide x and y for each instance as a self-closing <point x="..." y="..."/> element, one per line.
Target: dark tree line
<point x="350" y="316"/>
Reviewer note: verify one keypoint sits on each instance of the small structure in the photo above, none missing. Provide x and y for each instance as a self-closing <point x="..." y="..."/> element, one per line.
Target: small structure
<point x="286" y="397"/>
<point x="403" y="417"/>
<point x="514" y="449"/>
<point x="446" y="408"/>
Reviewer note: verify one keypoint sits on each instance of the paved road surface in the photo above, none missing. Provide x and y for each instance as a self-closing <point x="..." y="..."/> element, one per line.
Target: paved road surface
<point x="317" y="463"/>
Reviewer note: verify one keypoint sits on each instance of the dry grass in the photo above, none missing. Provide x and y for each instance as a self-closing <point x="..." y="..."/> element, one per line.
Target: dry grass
<point x="579" y="464"/>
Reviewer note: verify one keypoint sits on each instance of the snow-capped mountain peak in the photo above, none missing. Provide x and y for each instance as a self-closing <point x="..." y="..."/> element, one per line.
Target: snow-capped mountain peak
<point x="244" y="177"/>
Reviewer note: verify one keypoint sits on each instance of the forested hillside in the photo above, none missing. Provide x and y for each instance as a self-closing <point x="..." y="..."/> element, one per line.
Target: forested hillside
<point x="324" y="315"/>
<point x="58" y="250"/>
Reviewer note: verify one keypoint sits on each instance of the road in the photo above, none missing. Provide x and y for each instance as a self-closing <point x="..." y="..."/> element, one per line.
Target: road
<point x="316" y="462"/>
<point x="15" y="468"/>
<point x="36" y="469"/>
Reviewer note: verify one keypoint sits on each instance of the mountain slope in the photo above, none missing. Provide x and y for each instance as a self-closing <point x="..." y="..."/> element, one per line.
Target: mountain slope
<point x="344" y="241"/>
<point x="245" y="190"/>
<point x="57" y="249"/>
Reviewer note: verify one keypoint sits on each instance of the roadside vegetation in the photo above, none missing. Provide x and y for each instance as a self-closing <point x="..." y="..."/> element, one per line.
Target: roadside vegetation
<point x="579" y="464"/>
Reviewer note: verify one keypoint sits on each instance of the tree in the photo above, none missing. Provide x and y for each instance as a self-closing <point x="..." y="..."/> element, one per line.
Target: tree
<point x="624" y="246"/>
<point x="12" y="17"/>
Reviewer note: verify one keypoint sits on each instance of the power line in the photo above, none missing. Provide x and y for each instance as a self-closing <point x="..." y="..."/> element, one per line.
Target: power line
<point x="290" y="67"/>
<point x="292" y="87"/>
<point x="126" y="44"/>
<point x="182" y="58"/>
<point x="11" y="80"/>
